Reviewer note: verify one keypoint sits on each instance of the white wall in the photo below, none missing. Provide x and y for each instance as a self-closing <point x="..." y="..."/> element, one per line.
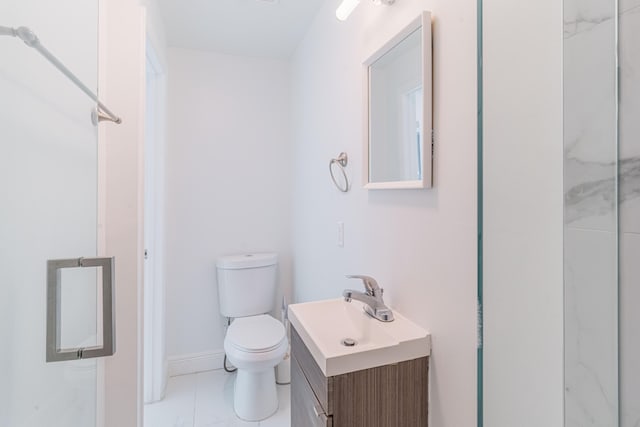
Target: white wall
<point x="419" y="244"/>
<point x="523" y="214"/>
<point x="228" y="183"/>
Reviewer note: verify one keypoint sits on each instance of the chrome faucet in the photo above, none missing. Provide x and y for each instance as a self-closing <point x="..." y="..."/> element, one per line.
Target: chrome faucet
<point x="372" y="298"/>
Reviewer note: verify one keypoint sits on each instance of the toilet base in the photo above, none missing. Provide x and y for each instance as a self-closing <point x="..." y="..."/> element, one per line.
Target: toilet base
<point x="255" y="396"/>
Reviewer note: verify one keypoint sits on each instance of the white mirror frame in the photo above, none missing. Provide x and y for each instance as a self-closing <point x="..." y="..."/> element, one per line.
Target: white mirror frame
<point x="424" y="22"/>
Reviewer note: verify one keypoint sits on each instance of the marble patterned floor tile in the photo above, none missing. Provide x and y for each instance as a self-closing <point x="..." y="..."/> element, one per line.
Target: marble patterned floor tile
<point x="206" y="400"/>
<point x="177" y="408"/>
<point x="214" y="400"/>
<point x="282" y="418"/>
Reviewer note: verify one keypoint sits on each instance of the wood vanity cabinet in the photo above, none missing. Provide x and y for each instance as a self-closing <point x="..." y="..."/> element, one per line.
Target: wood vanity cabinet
<point x="387" y="396"/>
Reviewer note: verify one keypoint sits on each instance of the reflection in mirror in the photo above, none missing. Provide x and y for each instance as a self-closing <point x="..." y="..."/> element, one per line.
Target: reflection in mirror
<point x="395" y="106"/>
<point x="398" y="106"/>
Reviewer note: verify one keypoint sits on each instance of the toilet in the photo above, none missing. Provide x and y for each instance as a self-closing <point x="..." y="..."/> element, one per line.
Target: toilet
<point x="255" y="342"/>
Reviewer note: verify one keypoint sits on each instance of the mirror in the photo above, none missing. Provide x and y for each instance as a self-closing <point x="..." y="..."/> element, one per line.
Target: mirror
<point x="398" y="105"/>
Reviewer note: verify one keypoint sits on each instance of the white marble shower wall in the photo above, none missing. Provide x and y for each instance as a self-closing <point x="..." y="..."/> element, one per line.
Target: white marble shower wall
<point x="602" y="226"/>
<point x="590" y="229"/>
<point x="629" y="35"/>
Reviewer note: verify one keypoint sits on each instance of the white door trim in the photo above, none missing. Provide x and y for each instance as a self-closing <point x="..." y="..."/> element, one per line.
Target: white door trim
<point x="155" y="359"/>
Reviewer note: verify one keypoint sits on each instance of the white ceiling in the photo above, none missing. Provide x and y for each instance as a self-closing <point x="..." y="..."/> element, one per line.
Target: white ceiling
<point x="265" y="28"/>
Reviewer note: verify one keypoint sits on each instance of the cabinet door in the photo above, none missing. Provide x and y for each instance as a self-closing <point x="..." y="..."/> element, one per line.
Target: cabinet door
<point x="320" y="385"/>
<point x="306" y="411"/>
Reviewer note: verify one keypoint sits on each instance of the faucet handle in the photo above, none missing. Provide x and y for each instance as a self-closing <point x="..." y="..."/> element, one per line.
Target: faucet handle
<point x="369" y="283"/>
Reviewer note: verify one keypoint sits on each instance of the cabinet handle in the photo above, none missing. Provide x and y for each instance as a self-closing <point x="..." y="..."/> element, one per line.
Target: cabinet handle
<point x="317" y="410"/>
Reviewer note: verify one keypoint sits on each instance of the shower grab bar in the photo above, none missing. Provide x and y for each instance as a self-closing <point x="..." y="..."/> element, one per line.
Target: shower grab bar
<point x="31" y="40"/>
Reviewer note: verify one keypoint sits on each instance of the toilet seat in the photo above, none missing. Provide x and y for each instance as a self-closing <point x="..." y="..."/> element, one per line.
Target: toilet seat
<point x="256" y="334"/>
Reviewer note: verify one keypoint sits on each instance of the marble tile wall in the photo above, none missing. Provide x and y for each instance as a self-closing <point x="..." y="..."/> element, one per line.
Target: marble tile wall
<point x="591" y="211"/>
<point x="602" y="222"/>
<point x="629" y="36"/>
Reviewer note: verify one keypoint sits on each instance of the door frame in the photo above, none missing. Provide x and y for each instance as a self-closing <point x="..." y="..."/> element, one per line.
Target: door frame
<point x="155" y="360"/>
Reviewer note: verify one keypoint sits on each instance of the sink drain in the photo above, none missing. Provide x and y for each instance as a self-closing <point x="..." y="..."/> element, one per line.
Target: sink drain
<point x="348" y="342"/>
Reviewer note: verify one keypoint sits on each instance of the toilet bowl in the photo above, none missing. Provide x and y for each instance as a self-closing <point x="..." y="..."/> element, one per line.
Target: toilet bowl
<point x="255" y="342"/>
<point x="255" y="345"/>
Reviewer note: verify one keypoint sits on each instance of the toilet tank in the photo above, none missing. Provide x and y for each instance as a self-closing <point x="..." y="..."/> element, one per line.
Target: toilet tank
<point x="247" y="284"/>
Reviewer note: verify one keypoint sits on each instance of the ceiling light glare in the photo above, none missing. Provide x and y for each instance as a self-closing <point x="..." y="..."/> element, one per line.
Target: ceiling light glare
<point x="346" y="7"/>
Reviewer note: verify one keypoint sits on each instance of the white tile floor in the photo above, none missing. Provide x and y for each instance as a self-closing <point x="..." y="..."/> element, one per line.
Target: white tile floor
<point x="206" y="400"/>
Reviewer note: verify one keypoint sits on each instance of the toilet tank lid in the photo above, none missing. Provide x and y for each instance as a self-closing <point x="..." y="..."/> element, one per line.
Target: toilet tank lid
<point x="250" y="260"/>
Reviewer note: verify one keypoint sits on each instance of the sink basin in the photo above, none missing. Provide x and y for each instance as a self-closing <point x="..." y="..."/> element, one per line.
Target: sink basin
<point x="323" y="325"/>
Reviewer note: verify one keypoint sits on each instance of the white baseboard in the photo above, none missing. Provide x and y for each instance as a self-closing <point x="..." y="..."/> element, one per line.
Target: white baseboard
<point x="195" y="362"/>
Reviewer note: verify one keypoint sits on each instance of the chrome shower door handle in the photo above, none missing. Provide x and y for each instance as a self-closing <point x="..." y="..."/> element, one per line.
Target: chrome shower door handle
<point x="54" y="350"/>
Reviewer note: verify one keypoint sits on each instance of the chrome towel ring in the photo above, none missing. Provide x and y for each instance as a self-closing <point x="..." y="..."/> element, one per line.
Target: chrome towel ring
<point x="341" y="161"/>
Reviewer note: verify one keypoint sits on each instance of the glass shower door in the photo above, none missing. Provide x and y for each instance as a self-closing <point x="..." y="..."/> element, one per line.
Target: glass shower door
<point x="48" y="211"/>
